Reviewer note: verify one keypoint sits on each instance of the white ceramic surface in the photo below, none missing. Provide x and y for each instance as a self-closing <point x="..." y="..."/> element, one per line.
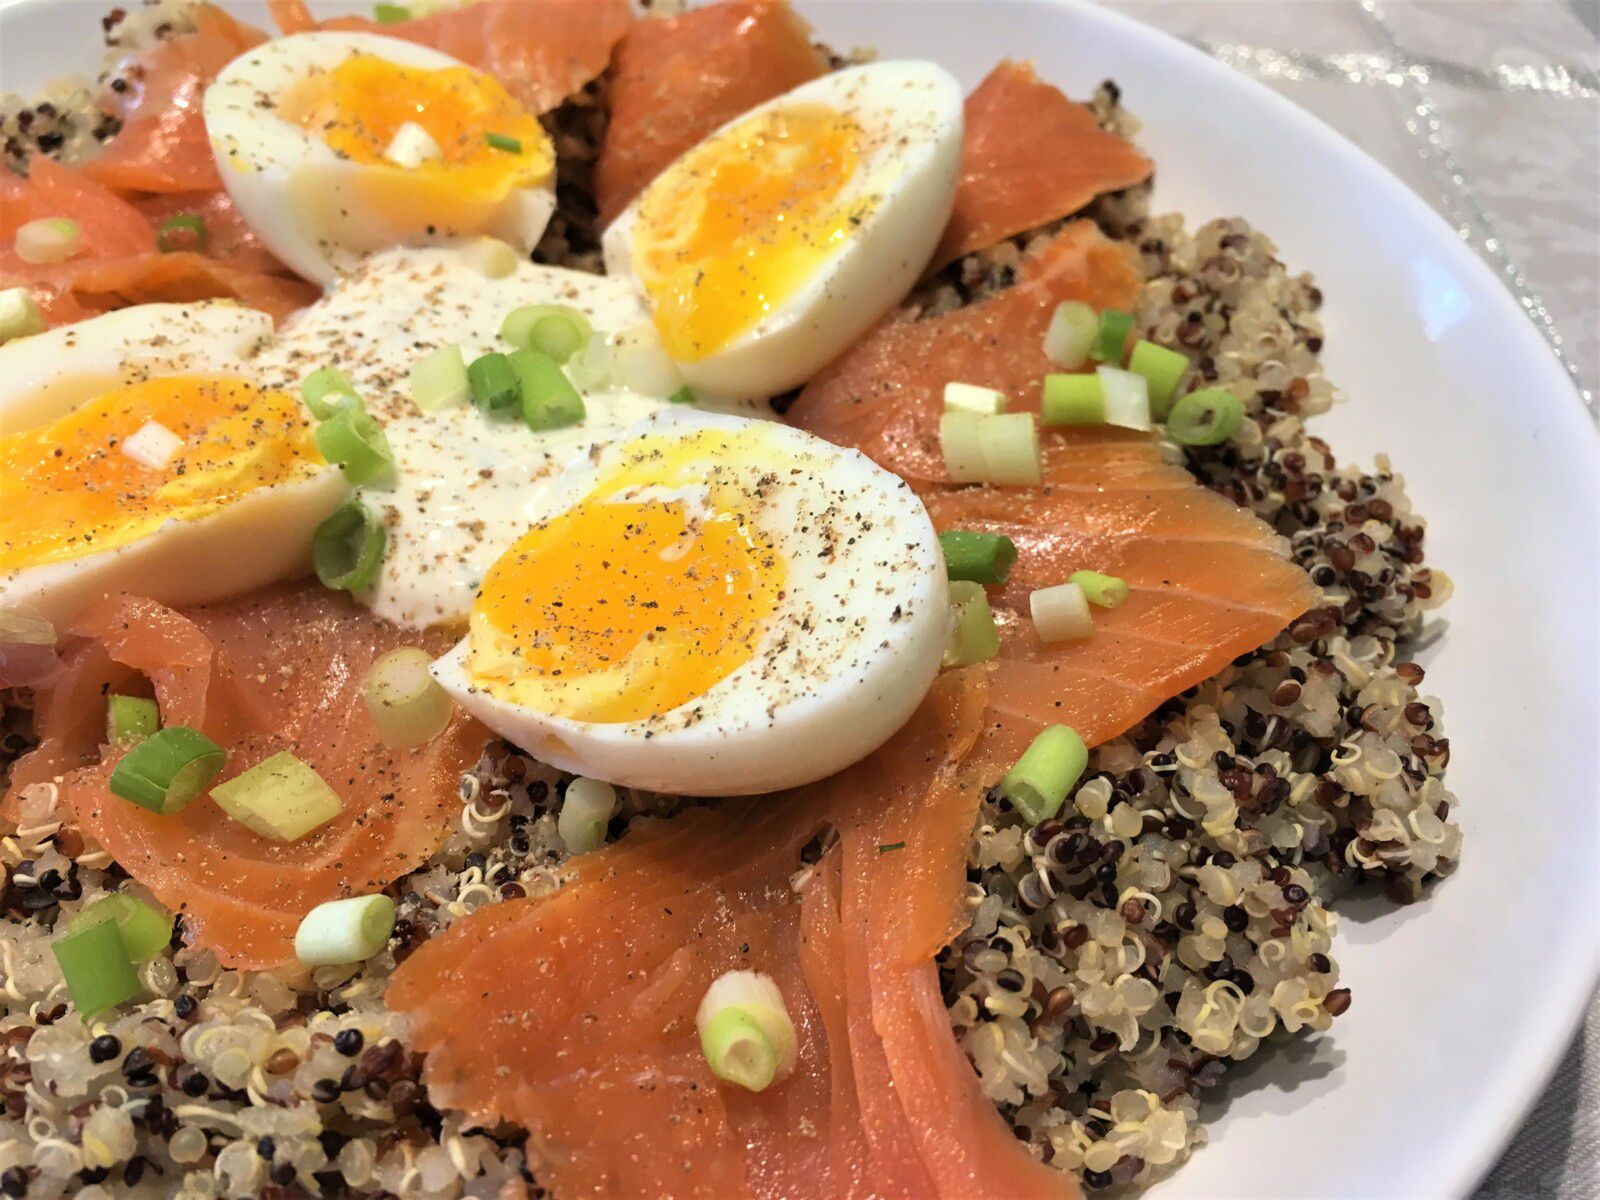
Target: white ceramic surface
<point x="1464" y="1002"/>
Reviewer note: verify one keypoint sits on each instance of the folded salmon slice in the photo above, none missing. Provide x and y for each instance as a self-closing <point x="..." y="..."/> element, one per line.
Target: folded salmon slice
<point x="276" y="670"/>
<point x="542" y="50"/>
<point x="1209" y="580"/>
<point x="574" y="1014"/>
<point x="677" y="79"/>
<point x="1030" y="156"/>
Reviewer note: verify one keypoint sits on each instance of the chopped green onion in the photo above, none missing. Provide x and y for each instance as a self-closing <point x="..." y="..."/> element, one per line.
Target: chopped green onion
<point x="978" y="557"/>
<point x="1127" y="398"/>
<point x="1112" y="339"/>
<point x="586" y="810"/>
<point x="591" y="368"/>
<point x="168" y="769"/>
<point x="501" y="142"/>
<point x="390" y="14"/>
<point x="328" y="391"/>
<point x="1060" y="613"/>
<point x="1010" y="445"/>
<point x="885" y="847"/>
<point x="48" y="240"/>
<point x="407" y="704"/>
<point x="967" y="397"/>
<point x="96" y="966"/>
<point x="1108" y="591"/>
<point x="973" y="636"/>
<point x="439" y="381"/>
<point x="1071" y="333"/>
<point x="145" y="931"/>
<point x="745" y="1030"/>
<point x="19" y="314"/>
<point x="342" y="932"/>
<point x="491" y="257"/>
<point x="1205" y="418"/>
<point x="684" y="395"/>
<point x="549" y="401"/>
<point x="494" y="383"/>
<point x="130" y="719"/>
<point x="1162" y="369"/>
<point x="185" y="231"/>
<point x="281" y="798"/>
<point x="554" y="329"/>
<point x="1073" y="400"/>
<point x="641" y="363"/>
<point x="355" y="440"/>
<point x="959" y="442"/>
<point x="348" y="547"/>
<point x="1045" y="773"/>
<point x="411" y="146"/>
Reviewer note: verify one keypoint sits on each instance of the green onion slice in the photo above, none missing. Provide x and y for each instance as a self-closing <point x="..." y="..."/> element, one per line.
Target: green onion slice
<point x="549" y="401"/>
<point x="185" y="231"/>
<point x="973" y="636"/>
<point x="1071" y="334"/>
<point x="131" y="719"/>
<point x="586" y="811"/>
<point x="684" y="395"/>
<point x="407" y="704"/>
<point x="554" y="329"/>
<point x="168" y="769"/>
<point x="501" y="142"/>
<point x="96" y="966"/>
<point x="390" y="14"/>
<point x="19" y="314"/>
<point x="1162" y="369"/>
<point x="281" y="798"/>
<point x="342" y="932"/>
<point x="1045" y="773"/>
<point x="1010" y="446"/>
<point x="145" y="931"/>
<point x="328" y="391"/>
<point x="968" y="397"/>
<point x="1073" y="400"/>
<point x="745" y="1030"/>
<point x="496" y="390"/>
<point x="978" y="557"/>
<point x="439" y="381"/>
<point x="1107" y="591"/>
<point x="1205" y="418"/>
<point x="959" y="442"/>
<point x="354" y="439"/>
<point x="1112" y="338"/>
<point x="347" y="548"/>
<point x="1060" y="613"/>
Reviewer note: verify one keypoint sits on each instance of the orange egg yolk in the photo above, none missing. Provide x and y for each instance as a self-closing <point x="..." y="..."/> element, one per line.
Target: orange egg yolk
<point x="67" y="490"/>
<point x="744" y="221"/>
<point x="644" y="595"/>
<point x="357" y="107"/>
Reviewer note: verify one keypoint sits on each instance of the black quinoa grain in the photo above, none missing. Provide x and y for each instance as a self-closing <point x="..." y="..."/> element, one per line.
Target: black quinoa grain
<point x="104" y="1048"/>
<point x="348" y="1042"/>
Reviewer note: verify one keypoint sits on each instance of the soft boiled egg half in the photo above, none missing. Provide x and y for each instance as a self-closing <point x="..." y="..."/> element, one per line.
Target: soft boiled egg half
<point x="767" y="249"/>
<point x="136" y="454"/>
<point x="333" y="145"/>
<point x="712" y="605"/>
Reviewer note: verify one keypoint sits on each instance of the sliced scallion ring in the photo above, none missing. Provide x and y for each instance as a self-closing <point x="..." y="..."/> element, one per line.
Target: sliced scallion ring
<point x="549" y="401"/>
<point x="746" y="1032"/>
<point x="1072" y="400"/>
<point x="145" y="931"/>
<point x="347" y="548"/>
<point x="407" y="704"/>
<point x="558" y="330"/>
<point x="168" y="769"/>
<point x="19" y="314"/>
<point x="973" y="636"/>
<point x="390" y="14"/>
<point x="501" y="141"/>
<point x="1205" y="418"/>
<point x="48" y="240"/>
<point x="328" y="391"/>
<point x="1010" y="446"/>
<point x="978" y="557"/>
<point x="342" y="932"/>
<point x="130" y="719"/>
<point x="1060" y="613"/>
<point x="1112" y="337"/>
<point x="586" y="809"/>
<point x="1071" y="334"/>
<point x="1108" y="591"/>
<point x="1039" y="782"/>
<point x="439" y="381"/>
<point x="96" y="966"/>
<point x="281" y="798"/>
<point x="496" y="389"/>
<point x="355" y="441"/>
<point x="1162" y="369"/>
<point x="184" y="231"/>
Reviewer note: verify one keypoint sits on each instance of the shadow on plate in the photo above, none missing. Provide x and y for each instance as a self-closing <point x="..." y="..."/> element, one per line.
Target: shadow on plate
<point x="1299" y="1073"/>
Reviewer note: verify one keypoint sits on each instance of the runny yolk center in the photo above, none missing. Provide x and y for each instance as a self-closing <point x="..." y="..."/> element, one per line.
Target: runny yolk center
<point x="744" y="221"/>
<point x="644" y="595"/>
<point x="67" y="490"/>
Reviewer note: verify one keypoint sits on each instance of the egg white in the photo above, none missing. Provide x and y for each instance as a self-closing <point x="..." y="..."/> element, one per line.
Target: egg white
<point x="846" y="658"/>
<point x="911" y="112"/>
<point x="296" y="193"/>
<point x="261" y="538"/>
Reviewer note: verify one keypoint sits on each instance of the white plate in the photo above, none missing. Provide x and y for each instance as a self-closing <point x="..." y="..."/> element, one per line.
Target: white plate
<point x="1464" y="1002"/>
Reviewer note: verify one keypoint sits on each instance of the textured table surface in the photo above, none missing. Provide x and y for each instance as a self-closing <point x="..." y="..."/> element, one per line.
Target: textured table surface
<point x="1490" y="111"/>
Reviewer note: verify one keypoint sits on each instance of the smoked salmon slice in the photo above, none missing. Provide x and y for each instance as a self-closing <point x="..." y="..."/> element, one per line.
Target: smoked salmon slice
<point x="542" y="50"/>
<point x="677" y="79"/>
<point x="589" y="1041"/>
<point x="276" y="670"/>
<point x="1209" y="580"/>
<point x="1030" y="156"/>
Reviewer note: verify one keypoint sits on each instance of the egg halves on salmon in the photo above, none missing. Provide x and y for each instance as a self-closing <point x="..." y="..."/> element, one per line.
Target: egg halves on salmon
<point x="333" y="145"/>
<point x="767" y="249"/>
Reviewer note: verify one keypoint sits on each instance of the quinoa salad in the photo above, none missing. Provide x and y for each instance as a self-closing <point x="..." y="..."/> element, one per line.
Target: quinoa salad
<point x="1177" y="915"/>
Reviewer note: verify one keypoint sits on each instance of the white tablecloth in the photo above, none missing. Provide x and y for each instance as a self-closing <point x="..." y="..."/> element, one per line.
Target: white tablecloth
<point x="1489" y="110"/>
